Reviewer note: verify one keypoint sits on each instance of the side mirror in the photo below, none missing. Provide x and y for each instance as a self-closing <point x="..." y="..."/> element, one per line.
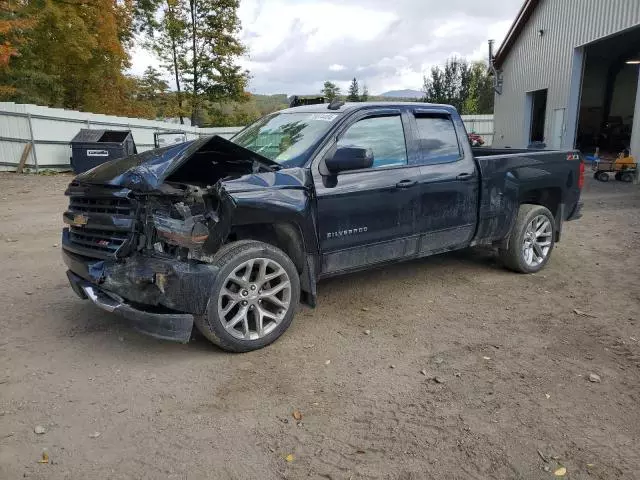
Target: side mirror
<point x="349" y="158"/>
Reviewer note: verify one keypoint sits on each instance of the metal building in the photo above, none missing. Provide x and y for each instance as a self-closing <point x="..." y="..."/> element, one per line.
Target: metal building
<point x="567" y="76"/>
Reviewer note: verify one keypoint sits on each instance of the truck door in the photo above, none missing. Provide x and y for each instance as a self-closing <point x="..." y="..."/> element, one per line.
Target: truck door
<point x="448" y="181"/>
<point x="367" y="216"/>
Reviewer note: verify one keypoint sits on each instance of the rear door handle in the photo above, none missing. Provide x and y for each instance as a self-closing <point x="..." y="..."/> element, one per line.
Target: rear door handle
<point x="464" y="176"/>
<point x="406" y="183"/>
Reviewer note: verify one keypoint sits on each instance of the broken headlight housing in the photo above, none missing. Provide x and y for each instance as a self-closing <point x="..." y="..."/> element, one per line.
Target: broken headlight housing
<point x="181" y="227"/>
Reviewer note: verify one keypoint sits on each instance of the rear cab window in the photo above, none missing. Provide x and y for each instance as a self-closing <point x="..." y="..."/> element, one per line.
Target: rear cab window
<point x="437" y="138"/>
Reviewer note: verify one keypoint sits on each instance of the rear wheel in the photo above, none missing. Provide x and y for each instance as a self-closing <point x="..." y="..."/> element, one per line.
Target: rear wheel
<point x="253" y="299"/>
<point x="627" y="177"/>
<point x="531" y="241"/>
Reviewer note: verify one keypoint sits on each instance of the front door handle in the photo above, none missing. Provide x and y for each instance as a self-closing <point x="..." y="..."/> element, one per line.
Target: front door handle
<point x="406" y="183"/>
<point x="464" y="176"/>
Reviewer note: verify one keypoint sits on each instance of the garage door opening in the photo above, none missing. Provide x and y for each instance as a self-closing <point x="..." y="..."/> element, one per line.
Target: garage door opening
<point x="538" y="102"/>
<point x="608" y="99"/>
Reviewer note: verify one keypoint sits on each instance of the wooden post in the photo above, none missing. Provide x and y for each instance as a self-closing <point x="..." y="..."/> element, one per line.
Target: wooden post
<point x="23" y="158"/>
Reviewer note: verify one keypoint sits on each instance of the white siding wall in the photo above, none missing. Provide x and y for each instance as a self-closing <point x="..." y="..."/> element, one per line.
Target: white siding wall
<point x="537" y="62"/>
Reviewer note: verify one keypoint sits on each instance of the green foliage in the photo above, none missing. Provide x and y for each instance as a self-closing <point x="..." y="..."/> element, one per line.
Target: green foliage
<point x="166" y="23"/>
<point x="151" y="92"/>
<point x="365" y="94"/>
<point x="466" y="86"/>
<point x="330" y="91"/>
<point x="197" y="41"/>
<point x="354" y="91"/>
<point x="231" y="113"/>
<point x="269" y="103"/>
<point x="72" y="55"/>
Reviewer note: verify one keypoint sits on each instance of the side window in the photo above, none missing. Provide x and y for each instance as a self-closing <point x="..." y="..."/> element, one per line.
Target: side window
<point x="437" y="139"/>
<point x="383" y="135"/>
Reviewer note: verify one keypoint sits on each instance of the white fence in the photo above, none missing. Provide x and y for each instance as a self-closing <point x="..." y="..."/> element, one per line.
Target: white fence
<point x="480" y="124"/>
<point x="49" y="131"/>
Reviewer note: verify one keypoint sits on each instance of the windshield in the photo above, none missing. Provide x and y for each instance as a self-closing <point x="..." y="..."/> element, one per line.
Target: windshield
<point x="286" y="138"/>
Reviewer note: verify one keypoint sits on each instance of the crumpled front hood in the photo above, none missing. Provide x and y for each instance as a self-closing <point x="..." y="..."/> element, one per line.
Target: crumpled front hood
<point x="146" y="171"/>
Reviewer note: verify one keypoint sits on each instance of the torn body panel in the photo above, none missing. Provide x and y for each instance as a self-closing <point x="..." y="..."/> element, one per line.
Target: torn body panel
<point x="147" y="237"/>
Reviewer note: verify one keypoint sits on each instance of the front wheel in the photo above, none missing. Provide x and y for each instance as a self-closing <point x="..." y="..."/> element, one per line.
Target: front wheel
<point x="532" y="240"/>
<point x="253" y="299"/>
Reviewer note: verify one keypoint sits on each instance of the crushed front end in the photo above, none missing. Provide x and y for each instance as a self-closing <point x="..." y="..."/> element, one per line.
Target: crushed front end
<point x="146" y="254"/>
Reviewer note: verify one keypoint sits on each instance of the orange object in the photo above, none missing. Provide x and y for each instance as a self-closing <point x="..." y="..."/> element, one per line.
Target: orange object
<point x="624" y="162"/>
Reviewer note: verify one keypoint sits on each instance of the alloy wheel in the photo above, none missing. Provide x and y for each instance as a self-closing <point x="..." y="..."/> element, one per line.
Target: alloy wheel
<point x="254" y="299"/>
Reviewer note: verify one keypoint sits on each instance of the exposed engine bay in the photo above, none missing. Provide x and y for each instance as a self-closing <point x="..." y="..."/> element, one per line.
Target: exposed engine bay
<point x="187" y="222"/>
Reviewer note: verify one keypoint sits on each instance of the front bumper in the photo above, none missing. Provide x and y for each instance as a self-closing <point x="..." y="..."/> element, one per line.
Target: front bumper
<point x="160" y="296"/>
<point x="167" y="326"/>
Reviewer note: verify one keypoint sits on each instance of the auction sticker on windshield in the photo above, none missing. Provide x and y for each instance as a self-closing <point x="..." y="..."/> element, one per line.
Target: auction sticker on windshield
<point x="324" y="117"/>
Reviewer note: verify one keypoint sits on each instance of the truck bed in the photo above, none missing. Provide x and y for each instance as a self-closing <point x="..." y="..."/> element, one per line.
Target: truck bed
<point x="512" y="176"/>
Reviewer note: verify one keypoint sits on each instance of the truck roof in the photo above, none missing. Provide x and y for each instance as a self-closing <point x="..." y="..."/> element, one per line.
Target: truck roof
<point x="352" y="106"/>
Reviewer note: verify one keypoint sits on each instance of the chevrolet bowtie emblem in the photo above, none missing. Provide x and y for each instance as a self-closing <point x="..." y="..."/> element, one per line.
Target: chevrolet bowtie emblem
<point x="79" y="220"/>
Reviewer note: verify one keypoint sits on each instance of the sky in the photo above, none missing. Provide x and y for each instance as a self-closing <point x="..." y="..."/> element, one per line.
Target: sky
<point x="295" y="45"/>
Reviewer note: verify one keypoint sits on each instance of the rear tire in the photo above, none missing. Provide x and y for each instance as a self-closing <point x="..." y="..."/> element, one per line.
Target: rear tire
<point x="253" y="299"/>
<point x="531" y="241"/>
<point x="627" y="177"/>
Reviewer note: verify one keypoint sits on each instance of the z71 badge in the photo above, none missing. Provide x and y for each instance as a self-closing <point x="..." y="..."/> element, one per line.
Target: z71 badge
<point x="344" y="233"/>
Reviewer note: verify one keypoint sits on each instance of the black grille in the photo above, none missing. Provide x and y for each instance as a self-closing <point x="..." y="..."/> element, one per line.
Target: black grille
<point x="102" y="221"/>
<point x="113" y="206"/>
<point x="104" y="241"/>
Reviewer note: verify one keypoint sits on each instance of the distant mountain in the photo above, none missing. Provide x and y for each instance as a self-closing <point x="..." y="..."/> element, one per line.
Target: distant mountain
<point x="403" y="94"/>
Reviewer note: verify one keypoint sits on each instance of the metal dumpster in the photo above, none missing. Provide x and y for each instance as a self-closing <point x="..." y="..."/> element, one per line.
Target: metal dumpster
<point x="90" y="148"/>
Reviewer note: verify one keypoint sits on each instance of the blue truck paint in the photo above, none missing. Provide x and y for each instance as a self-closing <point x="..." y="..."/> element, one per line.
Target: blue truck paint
<point x="329" y="224"/>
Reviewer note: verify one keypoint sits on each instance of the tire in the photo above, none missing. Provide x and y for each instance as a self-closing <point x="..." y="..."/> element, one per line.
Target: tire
<point x="602" y="176"/>
<point x="627" y="177"/>
<point x="520" y="258"/>
<point x="238" y="295"/>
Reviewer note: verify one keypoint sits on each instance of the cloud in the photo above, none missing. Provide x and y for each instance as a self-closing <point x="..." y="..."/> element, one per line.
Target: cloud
<point x="295" y="45"/>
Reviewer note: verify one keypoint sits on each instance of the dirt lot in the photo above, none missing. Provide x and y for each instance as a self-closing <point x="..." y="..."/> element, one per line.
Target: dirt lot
<point x="511" y="355"/>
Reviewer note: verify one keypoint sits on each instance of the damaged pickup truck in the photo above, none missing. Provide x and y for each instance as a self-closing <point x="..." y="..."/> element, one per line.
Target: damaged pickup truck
<point x="231" y="235"/>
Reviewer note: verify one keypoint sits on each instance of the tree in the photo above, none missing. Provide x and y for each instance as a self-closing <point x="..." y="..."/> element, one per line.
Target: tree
<point x="210" y="71"/>
<point x="73" y="55"/>
<point x="197" y="40"/>
<point x="13" y="25"/>
<point x="365" y="94"/>
<point x="481" y="93"/>
<point x="153" y="97"/>
<point x="152" y="86"/>
<point x="330" y="91"/>
<point x="354" y="91"/>
<point x="167" y="38"/>
<point x="465" y="86"/>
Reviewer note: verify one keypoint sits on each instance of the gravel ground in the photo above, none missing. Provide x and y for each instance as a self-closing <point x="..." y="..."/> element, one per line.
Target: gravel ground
<point x="467" y="371"/>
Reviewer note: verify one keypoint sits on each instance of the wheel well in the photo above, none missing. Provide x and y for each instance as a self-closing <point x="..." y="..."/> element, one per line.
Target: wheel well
<point x="547" y="197"/>
<point x="286" y="236"/>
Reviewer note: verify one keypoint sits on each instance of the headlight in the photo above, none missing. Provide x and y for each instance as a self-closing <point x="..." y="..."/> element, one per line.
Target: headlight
<point x="190" y="231"/>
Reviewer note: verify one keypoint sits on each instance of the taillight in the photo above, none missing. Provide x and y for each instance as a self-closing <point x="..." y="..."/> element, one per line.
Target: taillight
<point x="581" y="174"/>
